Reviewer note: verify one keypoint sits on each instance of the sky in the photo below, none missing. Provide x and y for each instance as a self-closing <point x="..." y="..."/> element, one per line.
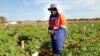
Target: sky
<point x="16" y="10"/>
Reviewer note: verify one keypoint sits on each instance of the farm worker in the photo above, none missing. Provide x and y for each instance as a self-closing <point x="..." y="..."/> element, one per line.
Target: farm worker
<point x="56" y="29"/>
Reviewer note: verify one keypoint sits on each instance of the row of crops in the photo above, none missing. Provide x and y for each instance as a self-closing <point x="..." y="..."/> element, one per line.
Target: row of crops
<point x="83" y="39"/>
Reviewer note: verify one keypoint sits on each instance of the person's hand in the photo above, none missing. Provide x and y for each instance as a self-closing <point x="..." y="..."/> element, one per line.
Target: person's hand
<point x="51" y="32"/>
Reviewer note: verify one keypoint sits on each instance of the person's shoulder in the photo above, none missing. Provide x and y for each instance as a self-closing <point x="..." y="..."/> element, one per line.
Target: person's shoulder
<point x="61" y="14"/>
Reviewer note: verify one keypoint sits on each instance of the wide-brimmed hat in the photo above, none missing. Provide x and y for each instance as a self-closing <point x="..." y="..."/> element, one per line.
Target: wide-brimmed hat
<point x="53" y="7"/>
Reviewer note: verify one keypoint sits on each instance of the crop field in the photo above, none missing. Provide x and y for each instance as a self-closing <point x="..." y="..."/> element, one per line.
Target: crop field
<point x="83" y="39"/>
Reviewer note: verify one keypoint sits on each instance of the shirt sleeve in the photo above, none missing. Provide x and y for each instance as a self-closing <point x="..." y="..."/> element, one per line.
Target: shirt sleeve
<point x="49" y="28"/>
<point x="62" y="20"/>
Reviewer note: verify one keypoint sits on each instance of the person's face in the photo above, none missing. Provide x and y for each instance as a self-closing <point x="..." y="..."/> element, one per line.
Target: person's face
<point x="53" y="12"/>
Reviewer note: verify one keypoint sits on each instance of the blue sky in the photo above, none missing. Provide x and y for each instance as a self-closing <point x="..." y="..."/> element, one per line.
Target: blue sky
<point x="15" y="10"/>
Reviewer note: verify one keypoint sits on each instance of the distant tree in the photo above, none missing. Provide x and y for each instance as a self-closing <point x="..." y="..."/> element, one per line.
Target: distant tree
<point x="2" y="19"/>
<point x="97" y="18"/>
<point x="38" y="21"/>
<point x="19" y="22"/>
<point x="81" y="19"/>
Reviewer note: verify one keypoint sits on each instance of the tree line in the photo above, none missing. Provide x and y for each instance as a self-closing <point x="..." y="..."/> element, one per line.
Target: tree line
<point x="4" y="19"/>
